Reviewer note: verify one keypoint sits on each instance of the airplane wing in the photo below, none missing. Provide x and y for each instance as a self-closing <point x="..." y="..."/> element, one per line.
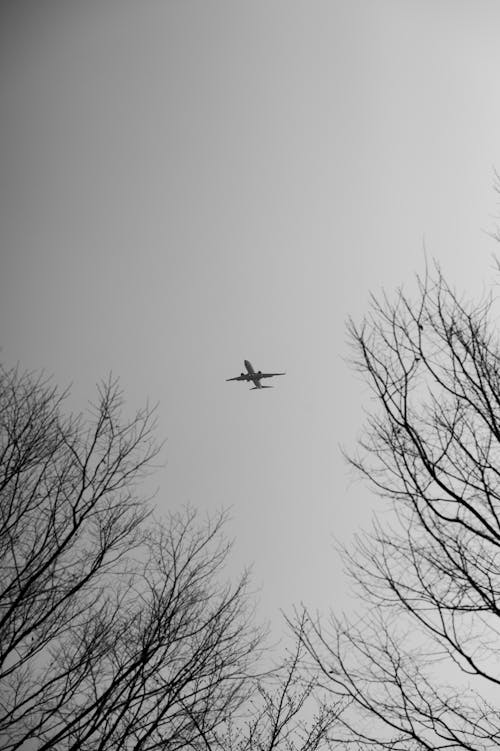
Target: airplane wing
<point x="269" y="375"/>
<point x="239" y="378"/>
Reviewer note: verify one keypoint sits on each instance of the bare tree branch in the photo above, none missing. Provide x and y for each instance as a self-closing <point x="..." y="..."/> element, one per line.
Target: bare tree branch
<point x="116" y="630"/>
<point x="421" y="668"/>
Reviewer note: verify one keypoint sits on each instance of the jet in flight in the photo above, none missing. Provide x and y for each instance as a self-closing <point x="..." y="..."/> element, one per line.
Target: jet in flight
<point x="254" y="376"/>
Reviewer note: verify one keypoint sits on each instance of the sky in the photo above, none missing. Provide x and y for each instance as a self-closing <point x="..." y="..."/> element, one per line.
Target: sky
<point x="185" y="184"/>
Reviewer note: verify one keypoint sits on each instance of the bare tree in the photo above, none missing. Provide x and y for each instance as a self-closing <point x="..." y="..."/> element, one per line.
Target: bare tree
<point x="284" y="712"/>
<point x="116" y="630"/>
<point x="420" y="667"/>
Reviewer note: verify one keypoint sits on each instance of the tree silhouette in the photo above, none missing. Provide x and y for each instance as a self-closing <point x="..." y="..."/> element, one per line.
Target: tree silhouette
<point x="285" y="712"/>
<point x="116" y="629"/>
<point x="420" y="667"/>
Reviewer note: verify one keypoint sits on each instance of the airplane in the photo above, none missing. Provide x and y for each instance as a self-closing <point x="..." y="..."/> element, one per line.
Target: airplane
<point x="253" y="376"/>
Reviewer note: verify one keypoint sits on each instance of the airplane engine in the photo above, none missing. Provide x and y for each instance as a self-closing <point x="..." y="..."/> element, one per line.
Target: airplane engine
<point x="260" y="372"/>
<point x="241" y="374"/>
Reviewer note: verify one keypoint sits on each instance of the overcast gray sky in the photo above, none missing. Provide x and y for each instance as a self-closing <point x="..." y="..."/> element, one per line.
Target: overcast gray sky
<point x="185" y="184"/>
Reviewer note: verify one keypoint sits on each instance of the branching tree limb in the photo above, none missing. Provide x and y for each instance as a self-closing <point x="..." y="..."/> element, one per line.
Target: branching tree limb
<point x="285" y="711"/>
<point x="116" y="630"/>
<point x="421" y="667"/>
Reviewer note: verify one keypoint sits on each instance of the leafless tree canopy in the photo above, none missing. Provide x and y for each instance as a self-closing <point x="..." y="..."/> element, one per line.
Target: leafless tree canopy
<point x="115" y="629"/>
<point x="284" y="711"/>
<point x="420" y="668"/>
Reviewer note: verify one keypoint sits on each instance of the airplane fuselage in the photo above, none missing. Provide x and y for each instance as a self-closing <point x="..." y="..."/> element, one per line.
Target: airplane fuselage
<point x="252" y="375"/>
